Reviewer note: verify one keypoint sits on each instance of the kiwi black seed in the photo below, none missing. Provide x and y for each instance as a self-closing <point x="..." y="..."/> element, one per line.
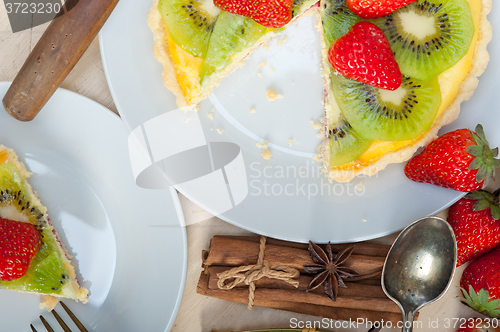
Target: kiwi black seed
<point x="337" y="19"/>
<point x="345" y="143"/>
<point x="190" y="23"/>
<point x="379" y="114"/>
<point x="429" y="36"/>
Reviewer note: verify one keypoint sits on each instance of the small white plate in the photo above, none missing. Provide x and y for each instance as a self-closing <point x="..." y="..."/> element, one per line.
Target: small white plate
<point x="288" y="197"/>
<point x="127" y="242"/>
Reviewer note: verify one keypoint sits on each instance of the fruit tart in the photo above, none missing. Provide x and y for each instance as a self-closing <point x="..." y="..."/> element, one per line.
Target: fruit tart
<point x="439" y="47"/>
<point x="32" y="257"/>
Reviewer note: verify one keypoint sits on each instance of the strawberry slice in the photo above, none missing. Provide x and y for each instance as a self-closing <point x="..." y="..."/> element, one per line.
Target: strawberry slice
<point x="375" y="8"/>
<point x="19" y="243"/>
<point x="364" y="54"/>
<point x="269" y="13"/>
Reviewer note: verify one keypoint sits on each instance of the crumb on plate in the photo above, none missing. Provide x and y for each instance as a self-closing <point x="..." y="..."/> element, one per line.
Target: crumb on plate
<point x="272" y="95"/>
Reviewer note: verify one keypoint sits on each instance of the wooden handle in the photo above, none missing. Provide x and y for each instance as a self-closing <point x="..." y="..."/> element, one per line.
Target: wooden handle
<point x="54" y="56"/>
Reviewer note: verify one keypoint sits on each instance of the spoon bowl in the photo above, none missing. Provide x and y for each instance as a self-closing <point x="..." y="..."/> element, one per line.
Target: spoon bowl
<point x="420" y="266"/>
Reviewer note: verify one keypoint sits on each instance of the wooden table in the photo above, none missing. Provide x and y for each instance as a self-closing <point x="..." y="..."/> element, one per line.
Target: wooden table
<point x="199" y="313"/>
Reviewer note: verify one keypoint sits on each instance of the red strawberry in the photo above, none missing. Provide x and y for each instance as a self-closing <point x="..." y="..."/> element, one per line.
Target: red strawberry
<point x="19" y="243"/>
<point x="480" y="284"/>
<point x="461" y="160"/>
<point x="364" y="54"/>
<point x="474" y="220"/>
<point x="479" y="325"/>
<point x="375" y="8"/>
<point x="269" y="13"/>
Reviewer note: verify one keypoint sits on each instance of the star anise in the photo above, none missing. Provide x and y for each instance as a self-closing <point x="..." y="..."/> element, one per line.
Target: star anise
<point x="328" y="270"/>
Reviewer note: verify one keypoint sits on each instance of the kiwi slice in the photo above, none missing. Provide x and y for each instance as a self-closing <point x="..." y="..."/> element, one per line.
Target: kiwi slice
<point x="337" y="19"/>
<point x="232" y="34"/>
<point x="429" y="36"/>
<point x="190" y="23"/>
<point x="345" y="144"/>
<point x="300" y="6"/>
<point x="385" y="115"/>
<point x="45" y="275"/>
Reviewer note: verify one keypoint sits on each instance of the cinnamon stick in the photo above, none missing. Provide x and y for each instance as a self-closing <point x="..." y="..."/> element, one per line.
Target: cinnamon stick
<point x="232" y="251"/>
<point x="361" y="248"/>
<point x="279" y="299"/>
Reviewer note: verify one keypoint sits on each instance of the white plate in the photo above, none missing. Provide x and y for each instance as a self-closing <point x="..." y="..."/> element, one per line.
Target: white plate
<point x="288" y="198"/>
<point x="128" y="246"/>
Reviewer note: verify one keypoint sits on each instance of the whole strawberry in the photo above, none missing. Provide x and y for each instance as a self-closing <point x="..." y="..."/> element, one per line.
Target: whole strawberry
<point x="364" y="54"/>
<point x="375" y="8"/>
<point x="269" y="13"/>
<point x="475" y="221"/>
<point x="461" y="160"/>
<point x="478" y="325"/>
<point x="480" y="284"/>
<point x="19" y="243"/>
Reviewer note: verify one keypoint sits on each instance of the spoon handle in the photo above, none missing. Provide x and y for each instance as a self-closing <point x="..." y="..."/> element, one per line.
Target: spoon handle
<point x="408" y="321"/>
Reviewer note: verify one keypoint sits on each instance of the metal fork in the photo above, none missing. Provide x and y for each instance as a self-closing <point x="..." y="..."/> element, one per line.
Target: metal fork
<point x="61" y="322"/>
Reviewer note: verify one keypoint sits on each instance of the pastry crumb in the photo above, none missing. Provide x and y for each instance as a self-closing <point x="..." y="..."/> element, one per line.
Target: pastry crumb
<point x="316" y="125"/>
<point x="272" y="95"/>
<point x="364" y="220"/>
<point x="259" y="74"/>
<point x="212" y="110"/>
<point x="266" y="154"/>
<point x="282" y="41"/>
<point x="262" y="64"/>
<point x="211" y="129"/>
<point x="265" y="46"/>
<point x="188" y="119"/>
<point x="317" y="158"/>
<point x="220" y="130"/>
<point x="290" y="142"/>
<point x="210" y="116"/>
<point x="359" y="186"/>
<point x="272" y="69"/>
<point x="252" y="110"/>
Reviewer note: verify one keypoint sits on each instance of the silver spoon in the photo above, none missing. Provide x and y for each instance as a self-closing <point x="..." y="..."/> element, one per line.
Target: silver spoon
<point x="419" y="267"/>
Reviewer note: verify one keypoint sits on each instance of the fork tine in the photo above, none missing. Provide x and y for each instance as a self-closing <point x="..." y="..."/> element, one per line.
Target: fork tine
<point x="33" y="328"/>
<point x="73" y="317"/>
<point x="47" y="326"/>
<point x="60" y="321"/>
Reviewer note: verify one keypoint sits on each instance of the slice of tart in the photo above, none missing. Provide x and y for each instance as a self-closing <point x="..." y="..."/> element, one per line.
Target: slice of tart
<point x="345" y="153"/>
<point x="198" y="44"/>
<point x="51" y="272"/>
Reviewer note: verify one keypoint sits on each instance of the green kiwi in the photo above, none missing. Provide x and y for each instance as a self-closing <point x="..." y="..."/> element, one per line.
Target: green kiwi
<point x="190" y="23"/>
<point x="232" y="34"/>
<point x="300" y="6"/>
<point x="385" y="115"/>
<point x="429" y="36"/>
<point x="336" y="19"/>
<point x="345" y="144"/>
<point x="17" y="203"/>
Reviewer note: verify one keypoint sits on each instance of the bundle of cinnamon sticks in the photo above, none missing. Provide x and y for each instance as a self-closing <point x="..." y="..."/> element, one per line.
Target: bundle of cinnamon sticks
<point x="361" y="299"/>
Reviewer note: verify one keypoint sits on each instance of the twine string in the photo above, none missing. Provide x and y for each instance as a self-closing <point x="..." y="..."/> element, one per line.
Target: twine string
<point x="249" y="274"/>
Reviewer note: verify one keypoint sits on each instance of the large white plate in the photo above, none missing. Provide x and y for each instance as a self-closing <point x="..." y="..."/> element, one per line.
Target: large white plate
<point x="288" y="197"/>
<point x="128" y="246"/>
